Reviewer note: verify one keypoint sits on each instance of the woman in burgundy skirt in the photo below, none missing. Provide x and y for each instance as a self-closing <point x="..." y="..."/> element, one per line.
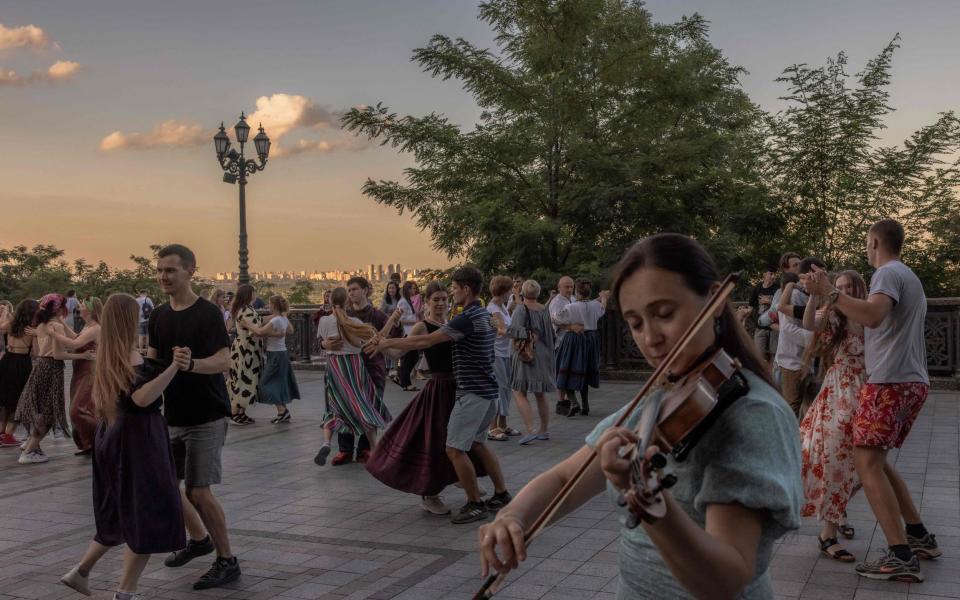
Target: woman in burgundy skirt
<point x="136" y="500"/>
<point x="411" y="455"/>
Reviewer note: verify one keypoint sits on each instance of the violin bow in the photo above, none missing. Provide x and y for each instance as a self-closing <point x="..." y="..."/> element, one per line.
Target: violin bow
<point x="540" y="524"/>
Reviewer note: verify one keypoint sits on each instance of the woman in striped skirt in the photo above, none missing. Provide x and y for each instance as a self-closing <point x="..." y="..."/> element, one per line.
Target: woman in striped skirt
<point x="351" y="397"/>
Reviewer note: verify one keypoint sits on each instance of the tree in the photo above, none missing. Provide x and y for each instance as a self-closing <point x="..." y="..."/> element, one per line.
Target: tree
<point x="831" y="180"/>
<point x="300" y="292"/>
<point x="598" y="127"/>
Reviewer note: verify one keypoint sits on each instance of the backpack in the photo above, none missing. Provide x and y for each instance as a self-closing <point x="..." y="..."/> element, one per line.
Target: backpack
<point x="526" y="349"/>
<point x="145" y="309"/>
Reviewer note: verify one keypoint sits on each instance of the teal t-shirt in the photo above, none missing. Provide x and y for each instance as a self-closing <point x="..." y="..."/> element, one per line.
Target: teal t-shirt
<point x="750" y="456"/>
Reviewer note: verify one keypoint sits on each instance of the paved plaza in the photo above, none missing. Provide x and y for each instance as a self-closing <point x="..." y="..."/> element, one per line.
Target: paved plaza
<point x="304" y="532"/>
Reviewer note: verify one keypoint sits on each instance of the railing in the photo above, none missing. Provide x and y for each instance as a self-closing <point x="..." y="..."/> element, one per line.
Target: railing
<point x="942" y="331"/>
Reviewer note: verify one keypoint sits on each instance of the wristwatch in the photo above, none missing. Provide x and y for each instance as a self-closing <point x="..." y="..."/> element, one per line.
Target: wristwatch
<point x="190" y="368"/>
<point x="832" y="297"/>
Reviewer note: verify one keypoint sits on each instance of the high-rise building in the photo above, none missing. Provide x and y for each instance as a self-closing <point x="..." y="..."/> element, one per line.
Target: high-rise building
<point x="380" y="272"/>
<point x="371" y="271"/>
<point x="397" y="268"/>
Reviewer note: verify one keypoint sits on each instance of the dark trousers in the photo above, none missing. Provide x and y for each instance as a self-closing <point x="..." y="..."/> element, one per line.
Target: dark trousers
<point x="407" y="363"/>
<point x="345" y="443"/>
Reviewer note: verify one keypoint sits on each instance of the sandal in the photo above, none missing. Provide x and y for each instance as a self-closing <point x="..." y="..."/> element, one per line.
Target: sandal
<point x="411" y="388"/>
<point x="512" y="432"/>
<point x="496" y="435"/>
<point x="846" y="531"/>
<point x="840" y="555"/>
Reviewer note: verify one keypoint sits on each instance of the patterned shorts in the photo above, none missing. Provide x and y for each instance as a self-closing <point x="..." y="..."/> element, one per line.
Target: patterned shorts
<point x="886" y="413"/>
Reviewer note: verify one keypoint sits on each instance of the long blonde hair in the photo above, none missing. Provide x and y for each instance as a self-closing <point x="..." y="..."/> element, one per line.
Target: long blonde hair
<point x="113" y="375"/>
<point x="356" y="334"/>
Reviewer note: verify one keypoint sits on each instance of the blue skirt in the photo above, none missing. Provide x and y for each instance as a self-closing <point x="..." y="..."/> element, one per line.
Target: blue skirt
<point x="578" y="361"/>
<point x="277" y="383"/>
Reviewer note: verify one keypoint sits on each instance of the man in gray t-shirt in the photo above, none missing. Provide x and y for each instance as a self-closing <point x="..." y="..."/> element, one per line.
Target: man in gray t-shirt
<point x="897" y="384"/>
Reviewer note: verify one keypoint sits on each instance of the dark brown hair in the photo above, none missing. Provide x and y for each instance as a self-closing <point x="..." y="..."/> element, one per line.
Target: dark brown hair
<point x="188" y="260"/>
<point x="23" y="316"/>
<point x="279" y="303"/>
<point x="468" y="277"/>
<point x="243" y="297"/>
<point x="785" y="260"/>
<point x="433" y="287"/>
<point x="835" y="323"/>
<point x="500" y="285"/>
<point x="890" y="233"/>
<point x="684" y="256"/>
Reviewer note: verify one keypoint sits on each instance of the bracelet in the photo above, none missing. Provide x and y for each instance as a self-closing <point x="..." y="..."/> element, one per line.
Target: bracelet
<point x="190" y="367"/>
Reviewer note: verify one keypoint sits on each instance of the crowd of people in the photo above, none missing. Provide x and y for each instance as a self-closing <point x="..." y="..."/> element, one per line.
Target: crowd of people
<point x="834" y="376"/>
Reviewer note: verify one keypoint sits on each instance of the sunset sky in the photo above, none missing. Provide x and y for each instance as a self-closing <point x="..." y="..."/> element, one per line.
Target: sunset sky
<point x="108" y="108"/>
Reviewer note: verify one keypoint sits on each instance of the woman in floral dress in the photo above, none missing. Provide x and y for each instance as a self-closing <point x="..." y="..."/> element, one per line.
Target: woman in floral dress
<point x="829" y="476"/>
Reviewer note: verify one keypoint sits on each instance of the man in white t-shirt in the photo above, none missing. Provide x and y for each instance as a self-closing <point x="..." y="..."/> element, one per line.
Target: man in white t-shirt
<point x="893" y="317"/>
<point x="556" y="304"/>
<point x="145" y="305"/>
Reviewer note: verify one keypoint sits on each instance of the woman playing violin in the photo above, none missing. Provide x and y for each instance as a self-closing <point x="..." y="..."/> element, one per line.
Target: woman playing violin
<point x="739" y="488"/>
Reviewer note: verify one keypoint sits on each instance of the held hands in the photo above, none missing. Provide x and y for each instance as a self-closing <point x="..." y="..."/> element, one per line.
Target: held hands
<point x="333" y="343"/>
<point x="576" y="328"/>
<point x="182" y="357"/>
<point x="817" y="282"/>
<point x="506" y="532"/>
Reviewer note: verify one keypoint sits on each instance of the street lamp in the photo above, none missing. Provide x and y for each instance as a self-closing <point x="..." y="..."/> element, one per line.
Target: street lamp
<point x="236" y="169"/>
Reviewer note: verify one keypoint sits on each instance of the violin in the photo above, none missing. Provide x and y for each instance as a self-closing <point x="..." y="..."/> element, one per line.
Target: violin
<point x="673" y="421"/>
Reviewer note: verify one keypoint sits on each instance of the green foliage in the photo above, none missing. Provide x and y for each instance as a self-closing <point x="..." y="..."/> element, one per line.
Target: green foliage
<point x="300" y="292"/>
<point x="598" y="127"/>
<point x="831" y="180"/>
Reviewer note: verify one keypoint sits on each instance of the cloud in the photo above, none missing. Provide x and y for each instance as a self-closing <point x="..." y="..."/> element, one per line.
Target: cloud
<point x="63" y="69"/>
<point x="27" y="36"/>
<point x="280" y="114"/>
<point x="169" y="134"/>
<point x="58" y="71"/>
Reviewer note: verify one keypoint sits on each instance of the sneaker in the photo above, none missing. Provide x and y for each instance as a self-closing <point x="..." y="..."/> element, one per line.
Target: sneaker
<point x="8" y="441"/>
<point x="434" y="505"/>
<point x="77" y="582"/>
<point x="925" y="547"/>
<point x="322" y="454"/>
<point x="363" y="456"/>
<point x="574" y="410"/>
<point x="194" y="549"/>
<point x="543" y="436"/>
<point x="284" y="417"/>
<point x="35" y="457"/>
<point x="499" y="500"/>
<point x="529" y="438"/>
<point x="890" y="568"/>
<point x="222" y="572"/>
<point x="241" y="419"/>
<point x="471" y="512"/>
<point x="341" y="458"/>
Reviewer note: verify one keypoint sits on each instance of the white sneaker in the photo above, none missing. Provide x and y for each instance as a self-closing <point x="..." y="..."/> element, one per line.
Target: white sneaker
<point x="74" y="580"/>
<point x="34" y="457"/>
<point x="434" y="505"/>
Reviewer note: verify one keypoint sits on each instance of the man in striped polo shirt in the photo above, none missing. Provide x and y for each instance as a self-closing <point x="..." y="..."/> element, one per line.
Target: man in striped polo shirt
<point x="472" y="335"/>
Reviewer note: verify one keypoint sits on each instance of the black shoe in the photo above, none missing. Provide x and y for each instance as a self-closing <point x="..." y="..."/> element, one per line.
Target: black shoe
<point x="574" y="410"/>
<point x="585" y="408"/>
<point x="470" y="512"/>
<point x="193" y="550"/>
<point x="223" y="571"/>
<point x="321" y="457"/>
<point x="499" y="500"/>
<point x="563" y="408"/>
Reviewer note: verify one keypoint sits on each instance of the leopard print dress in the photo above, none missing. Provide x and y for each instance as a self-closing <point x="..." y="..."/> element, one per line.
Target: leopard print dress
<point x="246" y="361"/>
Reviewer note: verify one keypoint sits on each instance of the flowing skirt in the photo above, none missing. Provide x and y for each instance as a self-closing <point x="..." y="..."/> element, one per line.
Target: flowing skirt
<point x="411" y="456"/>
<point x="82" y="409"/>
<point x="351" y="397"/>
<point x="277" y="383"/>
<point x="578" y="361"/>
<point x="14" y="372"/>
<point x="826" y="432"/>
<point x="41" y="405"/>
<point x="136" y="497"/>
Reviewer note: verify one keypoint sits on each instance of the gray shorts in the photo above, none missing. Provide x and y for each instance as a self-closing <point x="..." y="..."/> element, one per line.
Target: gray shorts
<point x="196" y="452"/>
<point x="469" y="420"/>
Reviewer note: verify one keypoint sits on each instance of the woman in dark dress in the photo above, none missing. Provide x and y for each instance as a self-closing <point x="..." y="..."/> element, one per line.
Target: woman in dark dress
<point x="411" y="455"/>
<point x="136" y="500"/>
<point x="83" y="420"/>
<point x="15" y="366"/>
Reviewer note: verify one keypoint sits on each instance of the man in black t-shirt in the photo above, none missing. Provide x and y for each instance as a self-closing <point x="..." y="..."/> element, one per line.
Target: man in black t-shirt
<point x="196" y="408"/>
<point x="761" y="300"/>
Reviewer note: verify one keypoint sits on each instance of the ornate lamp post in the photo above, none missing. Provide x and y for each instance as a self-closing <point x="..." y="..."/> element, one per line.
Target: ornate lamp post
<point x="237" y="168"/>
